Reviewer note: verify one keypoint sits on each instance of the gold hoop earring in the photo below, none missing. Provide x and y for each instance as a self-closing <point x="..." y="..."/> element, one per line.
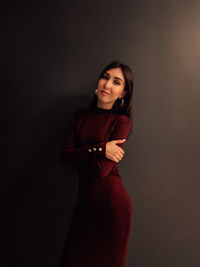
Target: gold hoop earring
<point x="122" y="103"/>
<point x="96" y="91"/>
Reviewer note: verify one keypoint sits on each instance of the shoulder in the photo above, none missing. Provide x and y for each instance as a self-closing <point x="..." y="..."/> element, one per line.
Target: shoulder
<point x="123" y="119"/>
<point x="80" y="112"/>
<point x="122" y="122"/>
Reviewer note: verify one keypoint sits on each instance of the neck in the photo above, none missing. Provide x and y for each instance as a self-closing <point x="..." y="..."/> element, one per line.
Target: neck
<point x="104" y="106"/>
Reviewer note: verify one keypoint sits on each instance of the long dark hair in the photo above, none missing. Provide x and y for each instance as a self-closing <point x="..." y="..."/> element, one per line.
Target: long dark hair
<point x="126" y="109"/>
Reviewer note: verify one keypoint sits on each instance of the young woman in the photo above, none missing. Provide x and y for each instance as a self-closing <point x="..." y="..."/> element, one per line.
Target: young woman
<point x="101" y="224"/>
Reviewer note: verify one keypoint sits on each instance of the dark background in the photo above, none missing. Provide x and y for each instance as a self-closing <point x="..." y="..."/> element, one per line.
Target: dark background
<point x="51" y="55"/>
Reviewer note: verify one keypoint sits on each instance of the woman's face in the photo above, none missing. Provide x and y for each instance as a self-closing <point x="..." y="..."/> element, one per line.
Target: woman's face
<point x="110" y="87"/>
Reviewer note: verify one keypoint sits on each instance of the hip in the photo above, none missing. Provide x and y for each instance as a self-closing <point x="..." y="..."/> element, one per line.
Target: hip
<point x="104" y="191"/>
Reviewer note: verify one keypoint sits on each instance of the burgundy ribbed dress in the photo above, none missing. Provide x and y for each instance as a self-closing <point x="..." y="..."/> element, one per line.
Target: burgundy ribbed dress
<point x="101" y="225"/>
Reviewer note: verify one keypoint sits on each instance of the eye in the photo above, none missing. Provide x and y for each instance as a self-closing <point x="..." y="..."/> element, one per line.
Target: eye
<point x="117" y="82"/>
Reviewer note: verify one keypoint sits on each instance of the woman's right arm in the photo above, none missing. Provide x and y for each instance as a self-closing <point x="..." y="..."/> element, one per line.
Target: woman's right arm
<point x="76" y="156"/>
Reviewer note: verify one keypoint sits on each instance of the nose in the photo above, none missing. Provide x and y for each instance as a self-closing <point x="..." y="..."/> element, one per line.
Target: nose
<point x="107" y="84"/>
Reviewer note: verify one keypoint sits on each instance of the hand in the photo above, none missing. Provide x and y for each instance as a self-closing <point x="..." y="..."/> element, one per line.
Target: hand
<point x="113" y="151"/>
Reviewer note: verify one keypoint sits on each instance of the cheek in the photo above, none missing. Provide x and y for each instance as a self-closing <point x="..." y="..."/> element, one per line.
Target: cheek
<point x="100" y="83"/>
<point x="118" y="92"/>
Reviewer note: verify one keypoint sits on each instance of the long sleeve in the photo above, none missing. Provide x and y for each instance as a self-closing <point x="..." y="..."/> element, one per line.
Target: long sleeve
<point x="76" y="156"/>
<point x="100" y="168"/>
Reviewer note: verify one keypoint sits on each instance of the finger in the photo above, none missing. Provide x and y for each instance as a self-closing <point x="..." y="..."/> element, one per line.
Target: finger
<point x="119" y="141"/>
<point x="120" y="150"/>
<point x="116" y="157"/>
<point x="119" y="156"/>
<point x="118" y="153"/>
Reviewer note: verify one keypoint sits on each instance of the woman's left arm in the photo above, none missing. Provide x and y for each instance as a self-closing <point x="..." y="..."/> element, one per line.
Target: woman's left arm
<point x="76" y="156"/>
<point x="100" y="168"/>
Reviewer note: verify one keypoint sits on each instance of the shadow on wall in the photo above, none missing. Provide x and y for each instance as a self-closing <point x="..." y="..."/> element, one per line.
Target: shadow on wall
<point x="43" y="194"/>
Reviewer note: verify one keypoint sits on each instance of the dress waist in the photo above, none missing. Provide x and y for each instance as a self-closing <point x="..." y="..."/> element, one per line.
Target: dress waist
<point x="86" y="175"/>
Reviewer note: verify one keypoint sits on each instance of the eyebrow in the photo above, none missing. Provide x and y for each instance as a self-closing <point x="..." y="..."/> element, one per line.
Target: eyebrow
<point x="114" y="77"/>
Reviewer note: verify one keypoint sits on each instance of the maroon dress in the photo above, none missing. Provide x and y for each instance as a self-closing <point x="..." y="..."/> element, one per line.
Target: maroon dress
<point x="101" y="225"/>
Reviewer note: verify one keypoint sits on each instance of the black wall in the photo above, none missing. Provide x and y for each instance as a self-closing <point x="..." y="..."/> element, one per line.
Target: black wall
<point x="51" y="55"/>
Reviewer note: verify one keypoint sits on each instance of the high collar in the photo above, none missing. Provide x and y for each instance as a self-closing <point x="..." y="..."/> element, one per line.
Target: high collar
<point x="98" y="109"/>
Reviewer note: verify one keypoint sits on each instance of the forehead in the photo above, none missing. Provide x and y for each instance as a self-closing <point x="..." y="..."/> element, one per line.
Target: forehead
<point x="116" y="72"/>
